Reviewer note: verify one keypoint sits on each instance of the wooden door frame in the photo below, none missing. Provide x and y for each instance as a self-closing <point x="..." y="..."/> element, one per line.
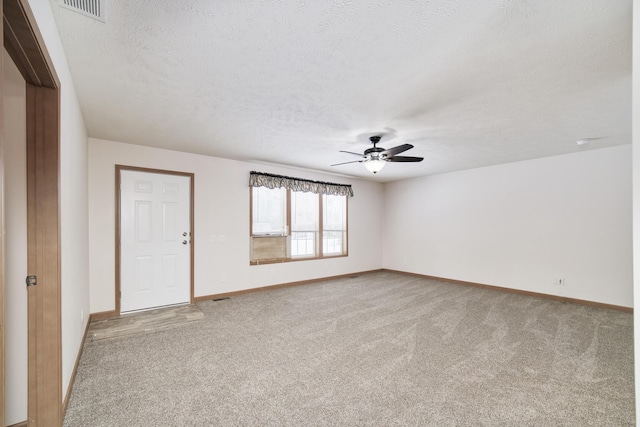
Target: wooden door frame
<point x="26" y="47"/>
<point x="2" y="253"/>
<point x="119" y="169"/>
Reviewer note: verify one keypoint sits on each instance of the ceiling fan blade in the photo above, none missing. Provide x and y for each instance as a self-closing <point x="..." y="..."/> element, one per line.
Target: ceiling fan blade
<point x="396" y="150"/>
<point x="344" y="163"/>
<point x="404" y="159"/>
<point x="351" y="152"/>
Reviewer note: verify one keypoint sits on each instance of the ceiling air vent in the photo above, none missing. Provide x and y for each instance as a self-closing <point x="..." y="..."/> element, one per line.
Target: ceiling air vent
<point x="91" y="8"/>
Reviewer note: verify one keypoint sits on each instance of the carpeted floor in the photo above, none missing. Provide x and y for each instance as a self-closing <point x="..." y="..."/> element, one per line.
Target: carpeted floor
<point x="379" y="349"/>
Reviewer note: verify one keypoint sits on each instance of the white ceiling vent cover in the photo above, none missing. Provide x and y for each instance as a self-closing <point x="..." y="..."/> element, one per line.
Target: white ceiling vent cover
<point x="92" y="8"/>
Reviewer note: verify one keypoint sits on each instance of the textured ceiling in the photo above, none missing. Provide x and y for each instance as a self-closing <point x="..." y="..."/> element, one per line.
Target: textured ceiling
<point x="468" y="83"/>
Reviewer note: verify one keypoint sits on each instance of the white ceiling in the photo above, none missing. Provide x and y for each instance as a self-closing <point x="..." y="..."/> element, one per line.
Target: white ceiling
<point x="468" y="83"/>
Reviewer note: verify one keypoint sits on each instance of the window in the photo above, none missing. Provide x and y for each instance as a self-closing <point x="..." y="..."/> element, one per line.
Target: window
<point x="268" y="211"/>
<point x="334" y="219"/>
<point x="304" y="224"/>
<point x="303" y="221"/>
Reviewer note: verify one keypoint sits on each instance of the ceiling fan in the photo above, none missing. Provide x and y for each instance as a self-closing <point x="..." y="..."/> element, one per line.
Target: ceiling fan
<point x="375" y="158"/>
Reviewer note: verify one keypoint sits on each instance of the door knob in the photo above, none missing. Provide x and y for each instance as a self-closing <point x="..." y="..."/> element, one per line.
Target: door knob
<point x="184" y="242"/>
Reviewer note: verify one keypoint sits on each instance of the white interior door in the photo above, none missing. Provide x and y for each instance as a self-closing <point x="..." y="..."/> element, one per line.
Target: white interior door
<point x="155" y="240"/>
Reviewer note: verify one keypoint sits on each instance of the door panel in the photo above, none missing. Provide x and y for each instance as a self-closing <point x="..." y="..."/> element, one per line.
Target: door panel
<point x="142" y="227"/>
<point x="155" y="240"/>
<point x="170" y="271"/>
<point x="143" y="274"/>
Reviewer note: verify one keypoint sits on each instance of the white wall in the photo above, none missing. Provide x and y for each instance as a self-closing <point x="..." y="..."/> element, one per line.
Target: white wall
<point x="73" y="199"/>
<point x="221" y="209"/>
<point x="16" y="378"/>
<point x="520" y="225"/>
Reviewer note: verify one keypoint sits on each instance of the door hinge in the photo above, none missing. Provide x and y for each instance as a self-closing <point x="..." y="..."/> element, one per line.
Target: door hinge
<point x="31" y="280"/>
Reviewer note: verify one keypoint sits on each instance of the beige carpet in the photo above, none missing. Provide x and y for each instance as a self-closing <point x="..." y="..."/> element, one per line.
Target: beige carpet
<point x="380" y="349"/>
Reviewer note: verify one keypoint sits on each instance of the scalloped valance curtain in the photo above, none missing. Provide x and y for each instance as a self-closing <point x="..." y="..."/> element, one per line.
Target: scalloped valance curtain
<point x="260" y="179"/>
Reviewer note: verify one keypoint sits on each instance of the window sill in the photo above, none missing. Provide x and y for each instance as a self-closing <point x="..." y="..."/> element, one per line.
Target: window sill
<point x="283" y="260"/>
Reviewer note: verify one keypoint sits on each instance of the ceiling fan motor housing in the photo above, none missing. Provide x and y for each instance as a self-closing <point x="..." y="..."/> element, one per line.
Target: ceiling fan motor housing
<point x="374" y="153"/>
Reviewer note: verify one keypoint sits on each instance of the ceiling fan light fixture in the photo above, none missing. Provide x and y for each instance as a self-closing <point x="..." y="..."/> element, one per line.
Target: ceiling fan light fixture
<point x="374" y="166"/>
<point x="375" y="158"/>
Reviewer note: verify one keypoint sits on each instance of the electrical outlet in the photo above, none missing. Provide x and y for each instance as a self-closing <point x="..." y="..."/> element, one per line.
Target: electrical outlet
<point x="558" y="281"/>
<point x="223" y="278"/>
<point x="81" y="315"/>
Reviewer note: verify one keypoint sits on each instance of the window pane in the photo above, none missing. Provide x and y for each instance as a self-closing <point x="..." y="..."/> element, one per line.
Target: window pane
<point x="304" y="223"/>
<point x="303" y="244"/>
<point x="334" y="231"/>
<point x="269" y="210"/>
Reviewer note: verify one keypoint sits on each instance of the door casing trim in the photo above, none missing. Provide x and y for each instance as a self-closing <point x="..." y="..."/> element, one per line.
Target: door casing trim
<point x="27" y="49"/>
